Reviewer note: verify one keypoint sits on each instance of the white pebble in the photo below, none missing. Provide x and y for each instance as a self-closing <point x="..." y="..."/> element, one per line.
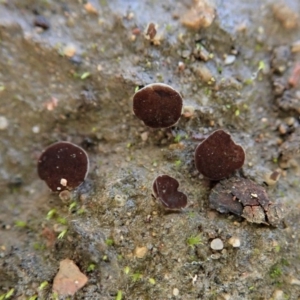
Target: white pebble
<point x="216" y="244"/>
<point x="3" y="123"/>
<point x="294" y="281"/>
<point x="235" y="242"/>
<point x="35" y="129"/>
<point x="278" y="295"/>
<point x="229" y="59"/>
<point x="175" y="292"/>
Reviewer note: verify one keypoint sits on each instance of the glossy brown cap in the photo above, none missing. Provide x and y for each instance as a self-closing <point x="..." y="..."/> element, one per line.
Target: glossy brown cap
<point x="63" y="165"/>
<point x="165" y="189"/>
<point x="157" y="105"/>
<point x="217" y="157"/>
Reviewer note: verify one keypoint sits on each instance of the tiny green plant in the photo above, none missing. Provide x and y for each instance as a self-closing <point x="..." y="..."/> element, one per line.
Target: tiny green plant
<point x="20" y="224"/>
<point x="178" y="163"/>
<point x="275" y="272"/>
<point x="72" y="206"/>
<point x="34" y="297"/>
<point x="91" y="267"/>
<point x="177" y="138"/>
<point x="39" y="246"/>
<point x="195" y="240"/>
<point x="43" y="285"/>
<point x="62" y="220"/>
<point x="109" y="242"/>
<point x="62" y="234"/>
<point x="136" y="276"/>
<point x="119" y="295"/>
<point x="51" y="214"/>
<point x="126" y="270"/>
<point x="85" y="75"/>
<point x="55" y="296"/>
<point x="7" y="295"/>
<point x="152" y="281"/>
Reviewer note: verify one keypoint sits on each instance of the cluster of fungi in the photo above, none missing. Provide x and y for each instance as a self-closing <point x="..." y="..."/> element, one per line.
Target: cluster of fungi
<point x="65" y="166"/>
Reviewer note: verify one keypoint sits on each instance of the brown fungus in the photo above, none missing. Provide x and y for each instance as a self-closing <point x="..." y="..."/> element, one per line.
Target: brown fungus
<point x="217" y="157"/>
<point x="157" y="105"/>
<point x="165" y="189"/>
<point x="63" y="166"/>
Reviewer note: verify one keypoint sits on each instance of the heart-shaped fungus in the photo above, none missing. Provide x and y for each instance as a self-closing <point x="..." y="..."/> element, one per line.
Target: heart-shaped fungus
<point x="165" y="189"/>
<point x="157" y="105"/>
<point x="63" y="165"/>
<point x="218" y="156"/>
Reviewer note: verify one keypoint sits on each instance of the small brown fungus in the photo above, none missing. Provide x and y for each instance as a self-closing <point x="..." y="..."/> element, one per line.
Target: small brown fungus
<point x="247" y="199"/>
<point x="158" y="105"/>
<point x="63" y="166"/>
<point x="165" y="189"/>
<point x="217" y="157"/>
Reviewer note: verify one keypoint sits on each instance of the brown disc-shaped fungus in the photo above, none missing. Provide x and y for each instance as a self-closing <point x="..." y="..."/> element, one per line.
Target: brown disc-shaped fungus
<point x="63" y="166"/>
<point x="218" y="156"/>
<point x="165" y="189"/>
<point x="157" y="105"/>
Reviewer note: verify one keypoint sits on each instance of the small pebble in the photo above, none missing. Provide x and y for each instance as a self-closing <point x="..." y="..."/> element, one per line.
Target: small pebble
<point x="271" y="178"/>
<point x="230" y="59"/>
<point x="294" y="281"/>
<point x="90" y="8"/>
<point x="278" y="295"/>
<point x="235" y="242"/>
<point x="3" y="123"/>
<point x="69" y="50"/>
<point x="140" y="252"/>
<point x="144" y="136"/>
<point x="175" y="292"/>
<point x="296" y="47"/>
<point x="35" y="129"/>
<point x="42" y="22"/>
<point x="216" y="244"/>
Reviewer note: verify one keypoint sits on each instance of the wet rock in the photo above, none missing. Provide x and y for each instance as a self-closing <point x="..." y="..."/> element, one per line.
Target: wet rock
<point x="69" y="279"/>
<point x="245" y="198"/>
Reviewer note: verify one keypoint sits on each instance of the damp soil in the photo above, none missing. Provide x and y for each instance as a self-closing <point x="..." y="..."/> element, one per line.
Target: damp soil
<point x="68" y="72"/>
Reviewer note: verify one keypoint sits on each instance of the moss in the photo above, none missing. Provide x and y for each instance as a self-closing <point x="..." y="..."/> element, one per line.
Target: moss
<point x="193" y="241"/>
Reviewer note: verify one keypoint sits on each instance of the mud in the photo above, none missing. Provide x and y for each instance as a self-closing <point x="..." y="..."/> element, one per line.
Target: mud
<point x="49" y="93"/>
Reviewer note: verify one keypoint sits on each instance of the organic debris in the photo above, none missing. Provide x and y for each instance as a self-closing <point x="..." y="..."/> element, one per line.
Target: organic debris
<point x="245" y="198"/>
<point x="69" y="279"/>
